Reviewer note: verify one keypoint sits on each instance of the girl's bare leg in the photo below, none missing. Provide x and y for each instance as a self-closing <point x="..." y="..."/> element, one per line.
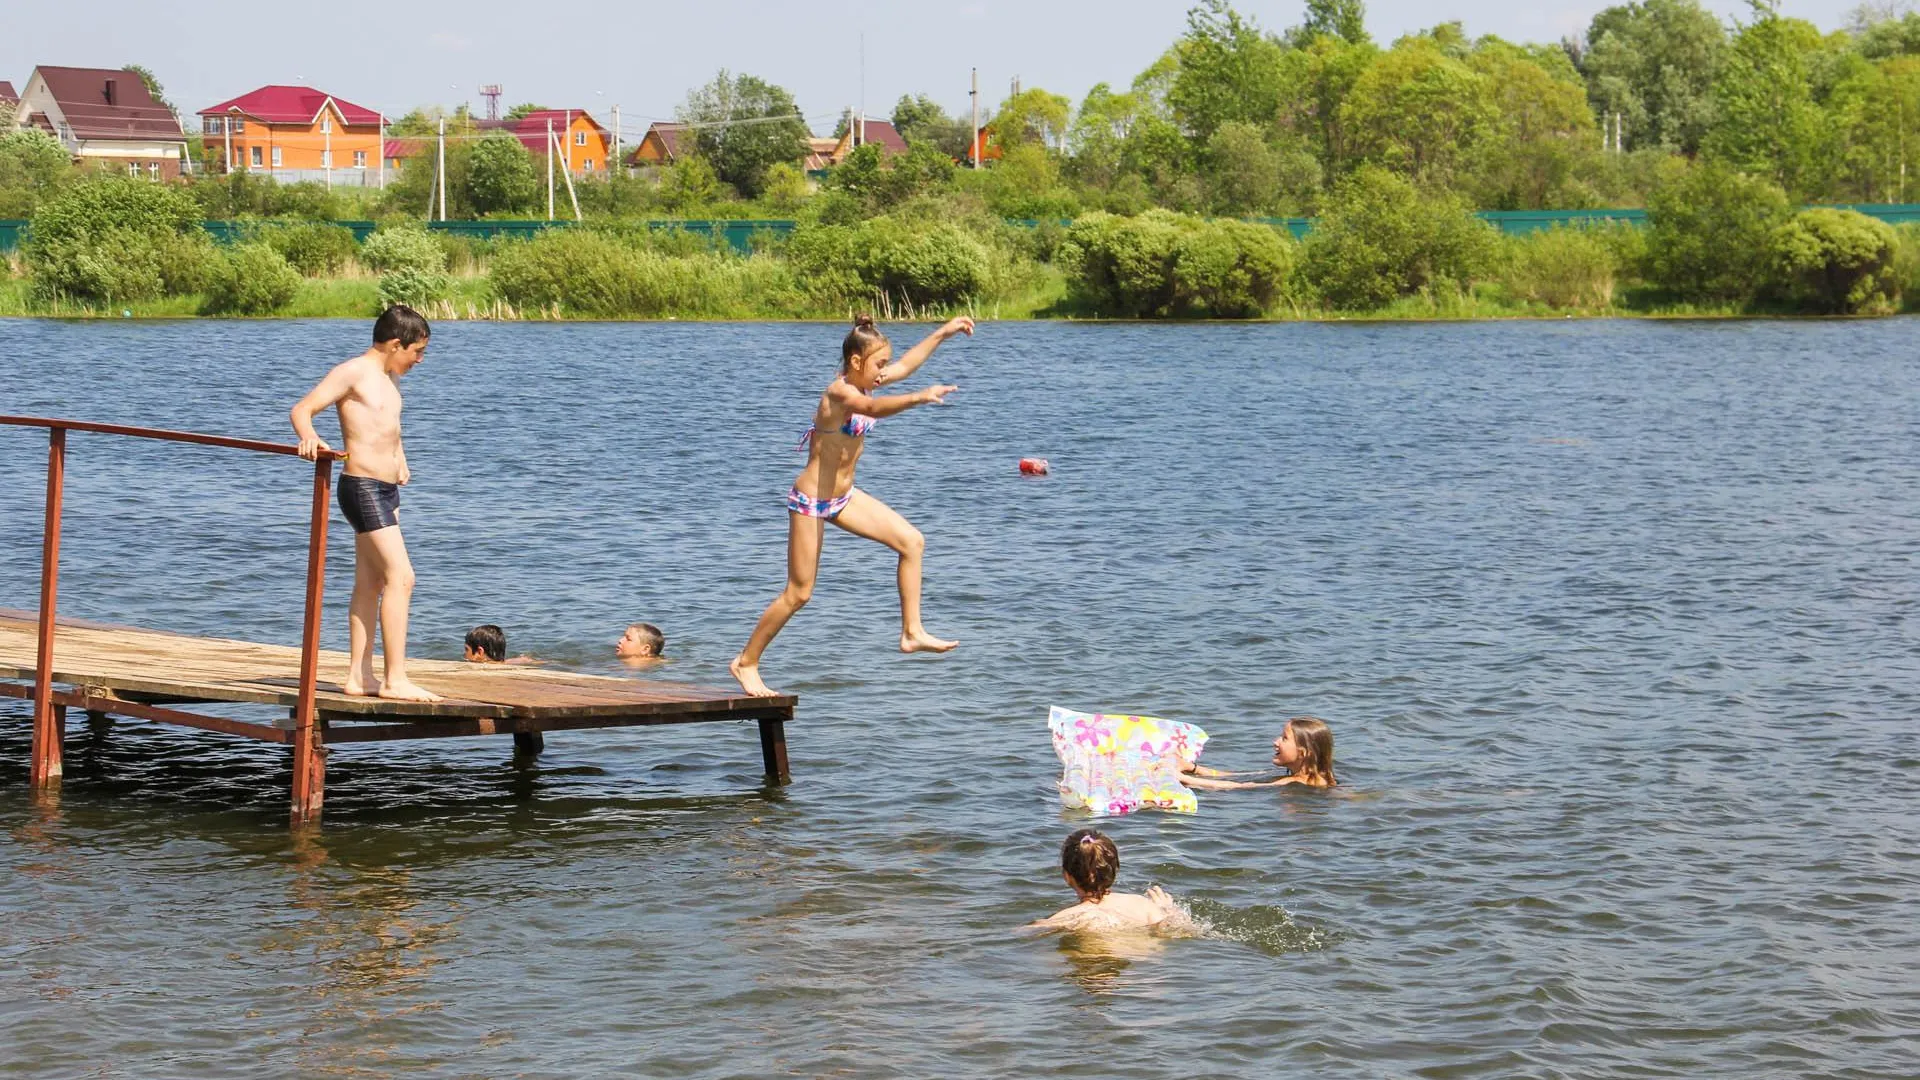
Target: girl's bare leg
<point x="869" y="517"/>
<point x="803" y="565"/>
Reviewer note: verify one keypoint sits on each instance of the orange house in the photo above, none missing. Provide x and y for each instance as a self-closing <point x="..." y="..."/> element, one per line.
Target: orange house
<point x="294" y="128"/>
<point x="584" y="144"/>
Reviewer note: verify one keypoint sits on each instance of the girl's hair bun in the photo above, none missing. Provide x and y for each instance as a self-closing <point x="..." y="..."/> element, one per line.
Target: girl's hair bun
<point x="863" y="321"/>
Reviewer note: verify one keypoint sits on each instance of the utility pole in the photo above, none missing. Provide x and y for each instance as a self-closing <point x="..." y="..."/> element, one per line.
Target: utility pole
<point x="549" y="168"/>
<point x="614" y="162"/>
<point x="326" y="152"/>
<point x="975" y="140"/>
<point x="226" y="125"/>
<point x="383" y="151"/>
<point x="566" y="133"/>
<point x="440" y="168"/>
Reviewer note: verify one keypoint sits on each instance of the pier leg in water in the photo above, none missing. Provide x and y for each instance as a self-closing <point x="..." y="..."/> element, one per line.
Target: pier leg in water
<point x="773" y="749"/>
<point x="528" y="744"/>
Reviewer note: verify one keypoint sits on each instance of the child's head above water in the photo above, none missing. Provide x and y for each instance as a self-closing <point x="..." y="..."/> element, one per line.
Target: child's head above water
<point x="486" y="643"/>
<point x="1305" y="748"/>
<point x="1090" y="862"/>
<point x="641" y="641"/>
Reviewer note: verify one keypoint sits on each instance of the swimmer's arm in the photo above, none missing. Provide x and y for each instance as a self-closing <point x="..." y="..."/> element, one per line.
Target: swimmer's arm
<point x="337" y="384"/>
<point x="1209" y="784"/>
<point x="910" y="363"/>
<point x="406" y="474"/>
<point x="890" y="405"/>
<point x="1201" y="770"/>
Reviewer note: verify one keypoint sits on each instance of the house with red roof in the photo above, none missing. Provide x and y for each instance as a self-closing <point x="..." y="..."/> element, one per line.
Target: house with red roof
<point x="292" y="129"/>
<point x="862" y="131"/>
<point x="7" y="94"/>
<point x="584" y="144"/>
<point x="103" y="115"/>
<point x="664" y="142"/>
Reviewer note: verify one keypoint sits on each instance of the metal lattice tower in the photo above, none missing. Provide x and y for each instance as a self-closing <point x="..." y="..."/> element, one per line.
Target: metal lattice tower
<point x="491" y="92"/>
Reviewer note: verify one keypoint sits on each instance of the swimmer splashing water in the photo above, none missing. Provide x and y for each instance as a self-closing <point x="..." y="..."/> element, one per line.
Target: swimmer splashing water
<point x="824" y="490"/>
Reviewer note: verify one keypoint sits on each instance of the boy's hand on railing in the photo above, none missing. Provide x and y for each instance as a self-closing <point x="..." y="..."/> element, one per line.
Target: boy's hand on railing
<point x="310" y="448"/>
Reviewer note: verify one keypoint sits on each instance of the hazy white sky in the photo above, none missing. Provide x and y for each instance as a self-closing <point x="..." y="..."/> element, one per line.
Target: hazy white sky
<point x="644" y="56"/>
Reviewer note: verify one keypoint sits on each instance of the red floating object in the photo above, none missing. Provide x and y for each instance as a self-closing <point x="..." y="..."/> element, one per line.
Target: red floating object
<point x="1033" y="466"/>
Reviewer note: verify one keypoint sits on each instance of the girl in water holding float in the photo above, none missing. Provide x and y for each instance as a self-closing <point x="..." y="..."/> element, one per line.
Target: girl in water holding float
<point x="1304" y="749"/>
<point x="824" y="490"/>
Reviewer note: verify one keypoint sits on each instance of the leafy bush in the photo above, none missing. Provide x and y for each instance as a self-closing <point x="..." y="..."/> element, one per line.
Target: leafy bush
<point x="1382" y="238"/>
<point x="1710" y="232"/>
<point x="414" y="286"/>
<point x="407" y="247"/>
<point x="915" y="263"/>
<point x="1838" y="262"/>
<point x="1163" y="263"/>
<point x="312" y="248"/>
<point x="32" y="165"/>
<point x="588" y="272"/>
<point x="116" y="239"/>
<point x="1563" y="267"/>
<point x="502" y="175"/>
<point x="252" y="279"/>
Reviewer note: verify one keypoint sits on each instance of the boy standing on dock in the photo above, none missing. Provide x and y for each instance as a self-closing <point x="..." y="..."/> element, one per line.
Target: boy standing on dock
<point x="368" y="397"/>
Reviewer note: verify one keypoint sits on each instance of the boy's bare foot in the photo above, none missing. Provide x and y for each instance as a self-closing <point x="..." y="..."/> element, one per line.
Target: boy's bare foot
<point x="402" y="690"/>
<point x="353" y="687"/>
<point x="924" y="642"/>
<point x="749" y="676"/>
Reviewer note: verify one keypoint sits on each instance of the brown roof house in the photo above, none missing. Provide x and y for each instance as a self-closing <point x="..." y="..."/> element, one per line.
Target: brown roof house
<point x="663" y="142"/>
<point x="864" y="130"/>
<point x="7" y="94"/>
<point x="103" y="115"/>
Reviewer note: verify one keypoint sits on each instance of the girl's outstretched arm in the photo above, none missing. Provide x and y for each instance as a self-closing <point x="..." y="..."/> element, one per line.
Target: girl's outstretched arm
<point x="1209" y="784"/>
<point x="917" y="355"/>
<point x="891" y="404"/>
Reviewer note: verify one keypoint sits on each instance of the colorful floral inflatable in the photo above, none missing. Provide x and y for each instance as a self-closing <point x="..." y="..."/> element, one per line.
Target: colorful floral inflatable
<point x="1117" y="764"/>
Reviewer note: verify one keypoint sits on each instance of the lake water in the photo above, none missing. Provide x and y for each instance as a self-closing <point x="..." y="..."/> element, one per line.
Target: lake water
<point x="1614" y="622"/>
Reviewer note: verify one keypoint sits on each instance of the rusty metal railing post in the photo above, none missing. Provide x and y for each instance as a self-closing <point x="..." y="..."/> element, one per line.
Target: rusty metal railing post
<point x="46" y="720"/>
<point x="309" y="756"/>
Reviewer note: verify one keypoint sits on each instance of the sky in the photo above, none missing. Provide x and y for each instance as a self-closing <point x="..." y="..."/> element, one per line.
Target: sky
<point x="645" y="56"/>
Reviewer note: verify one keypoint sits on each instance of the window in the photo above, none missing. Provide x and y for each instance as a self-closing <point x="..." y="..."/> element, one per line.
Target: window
<point x="256" y="157"/>
<point x="359" y="159"/>
<point x="589" y="165"/>
<point x="215" y="125"/>
<point x="276" y="157"/>
<point x="237" y="126"/>
<point x="579" y="138"/>
<point x="153" y="169"/>
<point x="133" y="168"/>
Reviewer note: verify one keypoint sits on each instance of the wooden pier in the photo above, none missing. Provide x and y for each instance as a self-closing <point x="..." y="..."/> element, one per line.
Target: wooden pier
<point x="148" y="674"/>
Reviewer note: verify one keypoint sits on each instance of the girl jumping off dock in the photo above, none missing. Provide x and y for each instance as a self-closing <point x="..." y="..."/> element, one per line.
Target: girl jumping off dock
<point x="824" y="490"/>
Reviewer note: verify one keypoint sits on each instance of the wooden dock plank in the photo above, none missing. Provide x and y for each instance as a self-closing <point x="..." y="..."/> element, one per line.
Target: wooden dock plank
<point x="154" y="662"/>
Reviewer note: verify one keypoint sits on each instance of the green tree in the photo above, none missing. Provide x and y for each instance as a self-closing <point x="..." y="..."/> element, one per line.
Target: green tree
<point x="920" y="119"/>
<point x="527" y="108"/>
<point x="744" y="126"/>
<point x="1318" y="78"/>
<point x="1418" y="111"/>
<point x="1884" y="31"/>
<point x="1709" y="232"/>
<point x="502" y="175"/>
<point x="1543" y="131"/>
<point x="1245" y="175"/>
<point x="1837" y="262"/>
<point x="1342" y="19"/>
<point x="1381" y="238"/>
<point x="32" y="165"/>
<point x="1032" y="117"/>
<point x="1229" y="69"/>
<point x="1874" y="113"/>
<point x="1766" y="119"/>
<point x="153" y="86"/>
<point x="1654" y="63"/>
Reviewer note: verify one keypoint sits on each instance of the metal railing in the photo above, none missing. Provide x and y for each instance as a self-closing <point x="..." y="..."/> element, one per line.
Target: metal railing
<point x="47" y="723"/>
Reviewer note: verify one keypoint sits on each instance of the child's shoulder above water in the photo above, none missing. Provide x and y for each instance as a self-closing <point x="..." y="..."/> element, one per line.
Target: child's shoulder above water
<point x="1089" y="862"/>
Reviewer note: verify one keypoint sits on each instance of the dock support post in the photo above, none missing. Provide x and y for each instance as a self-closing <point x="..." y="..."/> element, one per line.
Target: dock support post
<point x="47" y="723"/>
<point x="528" y="743"/>
<point x="309" y="757"/>
<point x="773" y="748"/>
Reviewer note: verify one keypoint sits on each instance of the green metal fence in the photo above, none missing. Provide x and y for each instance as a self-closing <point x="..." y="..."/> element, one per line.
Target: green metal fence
<point x="742" y="235"/>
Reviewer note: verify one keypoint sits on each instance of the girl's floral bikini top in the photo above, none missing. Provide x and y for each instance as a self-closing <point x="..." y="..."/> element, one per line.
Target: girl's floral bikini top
<point x="857" y="425"/>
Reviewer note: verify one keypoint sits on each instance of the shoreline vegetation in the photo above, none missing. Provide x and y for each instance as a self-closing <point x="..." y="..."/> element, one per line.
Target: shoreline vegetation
<point x="1738" y="140"/>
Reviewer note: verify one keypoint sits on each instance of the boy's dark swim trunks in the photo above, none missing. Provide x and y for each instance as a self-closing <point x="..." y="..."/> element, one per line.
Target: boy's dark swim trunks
<point x="369" y="504"/>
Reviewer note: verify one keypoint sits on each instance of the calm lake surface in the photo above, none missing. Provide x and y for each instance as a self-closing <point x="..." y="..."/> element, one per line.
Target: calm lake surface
<point x="1614" y="622"/>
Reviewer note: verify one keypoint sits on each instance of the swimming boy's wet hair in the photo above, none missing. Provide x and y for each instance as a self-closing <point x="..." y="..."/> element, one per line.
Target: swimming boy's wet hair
<point x="490" y="640"/>
<point x="861" y="340"/>
<point x="402" y="324"/>
<point x="651" y="634"/>
<point x="1315" y="740"/>
<point x="1091" y="860"/>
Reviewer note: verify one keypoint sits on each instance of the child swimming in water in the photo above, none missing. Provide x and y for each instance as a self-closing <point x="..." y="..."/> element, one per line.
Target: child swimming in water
<point x="824" y="490"/>
<point x="1304" y="749"/>
<point x="1090" y="862"/>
